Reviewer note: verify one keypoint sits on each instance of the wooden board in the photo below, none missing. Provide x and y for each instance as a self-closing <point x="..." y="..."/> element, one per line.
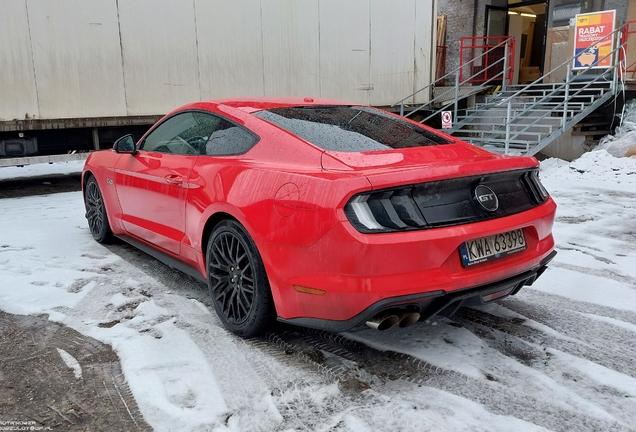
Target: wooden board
<point x="631" y="41"/>
<point x="558" y="49"/>
<point x="441" y="41"/>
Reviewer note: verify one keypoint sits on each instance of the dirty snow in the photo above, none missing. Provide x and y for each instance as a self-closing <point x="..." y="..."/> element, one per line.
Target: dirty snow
<point x="557" y="356"/>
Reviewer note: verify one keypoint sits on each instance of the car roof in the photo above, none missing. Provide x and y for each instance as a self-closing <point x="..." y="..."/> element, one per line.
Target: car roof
<point x="251" y="105"/>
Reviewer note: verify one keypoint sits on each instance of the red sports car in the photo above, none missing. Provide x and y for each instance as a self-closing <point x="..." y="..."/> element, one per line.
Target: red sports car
<point x="322" y="213"/>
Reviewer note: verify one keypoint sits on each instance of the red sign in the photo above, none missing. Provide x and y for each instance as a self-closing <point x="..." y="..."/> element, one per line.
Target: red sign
<point x="592" y="41"/>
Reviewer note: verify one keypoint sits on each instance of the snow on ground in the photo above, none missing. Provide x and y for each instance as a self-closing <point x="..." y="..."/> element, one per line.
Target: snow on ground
<point x="557" y="356"/>
<point x="41" y="169"/>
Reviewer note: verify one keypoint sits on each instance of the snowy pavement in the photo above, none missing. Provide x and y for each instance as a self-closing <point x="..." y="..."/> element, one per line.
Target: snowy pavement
<point x="560" y="355"/>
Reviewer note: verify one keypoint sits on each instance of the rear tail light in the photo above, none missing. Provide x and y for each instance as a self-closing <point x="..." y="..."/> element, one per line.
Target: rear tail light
<point x="384" y="211"/>
<point x="538" y="194"/>
<point x="444" y="203"/>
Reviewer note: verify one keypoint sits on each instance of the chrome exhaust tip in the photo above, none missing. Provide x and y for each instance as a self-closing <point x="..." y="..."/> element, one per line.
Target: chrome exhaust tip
<point x="408" y="319"/>
<point x="383" y="321"/>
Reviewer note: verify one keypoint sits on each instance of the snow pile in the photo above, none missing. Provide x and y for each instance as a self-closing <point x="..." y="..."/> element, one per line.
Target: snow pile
<point x="624" y="136"/>
<point x="598" y="168"/>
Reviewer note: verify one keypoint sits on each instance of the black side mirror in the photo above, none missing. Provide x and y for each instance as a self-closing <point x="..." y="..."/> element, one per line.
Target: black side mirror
<point x="125" y="144"/>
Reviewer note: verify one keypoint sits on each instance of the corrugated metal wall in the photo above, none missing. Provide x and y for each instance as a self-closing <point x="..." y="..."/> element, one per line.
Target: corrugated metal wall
<point x="103" y="58"/>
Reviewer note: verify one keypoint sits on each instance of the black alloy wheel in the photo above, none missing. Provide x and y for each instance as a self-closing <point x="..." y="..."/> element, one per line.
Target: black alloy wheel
<point x="96" y="212"/>
<point x="237" y="281"/>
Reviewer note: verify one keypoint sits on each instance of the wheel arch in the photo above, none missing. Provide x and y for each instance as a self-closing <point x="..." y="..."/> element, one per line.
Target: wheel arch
<point x="86" y="175"/>
<point x="111" y="200"/>
<point x="220" y="216"/>
<point x="213" y="221"/>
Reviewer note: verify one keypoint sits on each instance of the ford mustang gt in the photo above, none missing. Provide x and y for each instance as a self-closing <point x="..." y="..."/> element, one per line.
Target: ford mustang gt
<point x="323" y="214"/>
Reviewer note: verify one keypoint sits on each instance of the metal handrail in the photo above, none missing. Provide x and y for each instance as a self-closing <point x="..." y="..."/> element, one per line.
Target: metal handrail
<point x="555" y="91"/>
<point x="455" y="90"/>
<point x="563" y="104"/>
<point x="568" y="62"/>
<point x="453" y="72"/>
<point x="566" y="122"/>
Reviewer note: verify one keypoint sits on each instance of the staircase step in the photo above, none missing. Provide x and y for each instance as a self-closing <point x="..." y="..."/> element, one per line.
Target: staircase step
<point x="586" y="93"/>
<point x="515" y="125"/>
<point x="591" y="132"/>
<point x="484" y="135"/>
<point x="520" y="145"/>
<point x="527" y="105"/>
<point x="500" y="140"/>
<point x="569" y="114"/>
<point x="592" y="124"/>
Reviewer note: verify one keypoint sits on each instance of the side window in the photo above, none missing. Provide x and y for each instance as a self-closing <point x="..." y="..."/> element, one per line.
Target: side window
<point x="198" y="133"/>
<point x="229" y="139"/>
<point x="184" y="133"/>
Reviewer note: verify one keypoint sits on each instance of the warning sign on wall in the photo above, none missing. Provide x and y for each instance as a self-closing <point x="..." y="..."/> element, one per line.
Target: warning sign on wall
<point x="447" y="119"/>
<point x="592" y="40"/>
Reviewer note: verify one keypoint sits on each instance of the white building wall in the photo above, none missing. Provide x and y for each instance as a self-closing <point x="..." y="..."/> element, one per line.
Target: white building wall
<point x="230" y="48"/>
<point x="425" y="49"/>
<point x="77" y="57"/>
<point x="345" y="52"/>
<point x="291" y="47"/>
<point x="160" y="54"/>
<point x="105" y="58"/>
<point x="18" y="97"/>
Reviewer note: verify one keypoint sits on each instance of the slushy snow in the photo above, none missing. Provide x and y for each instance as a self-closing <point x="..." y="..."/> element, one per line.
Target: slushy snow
<point x="565" y="365"/>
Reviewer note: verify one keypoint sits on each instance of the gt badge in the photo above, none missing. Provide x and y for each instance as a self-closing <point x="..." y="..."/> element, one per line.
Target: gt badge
<point x="486" y="198"/>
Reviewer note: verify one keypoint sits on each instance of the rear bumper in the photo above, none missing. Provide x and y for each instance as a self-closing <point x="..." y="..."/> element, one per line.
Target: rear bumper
<point x="433" y="303"/>
<point x="357" y="271"/>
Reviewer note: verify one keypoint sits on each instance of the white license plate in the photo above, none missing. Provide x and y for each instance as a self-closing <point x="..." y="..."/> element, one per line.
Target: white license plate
<point x="496" y="246"/>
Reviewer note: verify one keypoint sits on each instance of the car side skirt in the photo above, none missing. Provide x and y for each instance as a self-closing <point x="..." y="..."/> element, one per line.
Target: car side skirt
<point x="431" y="303"/>
<point x="164" y="258"/>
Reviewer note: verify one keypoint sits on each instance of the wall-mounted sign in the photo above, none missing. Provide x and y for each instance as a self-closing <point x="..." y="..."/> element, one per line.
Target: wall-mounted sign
<point x="592" y="41"/>
<point x="447" y="119"/>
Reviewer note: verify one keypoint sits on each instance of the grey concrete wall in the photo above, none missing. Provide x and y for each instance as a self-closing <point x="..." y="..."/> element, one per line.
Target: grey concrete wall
<point x="597" y="5"/>
<point x="464" y="18"/>
<point x="620" y="6"/>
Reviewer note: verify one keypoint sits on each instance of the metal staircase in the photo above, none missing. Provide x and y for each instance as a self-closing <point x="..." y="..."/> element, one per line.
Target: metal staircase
<point x="524" y="119"/>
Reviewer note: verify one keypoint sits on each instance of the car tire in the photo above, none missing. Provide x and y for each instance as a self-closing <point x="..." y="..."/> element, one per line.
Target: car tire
<point x="237" y="281"/>
<point x="96" y="212"/>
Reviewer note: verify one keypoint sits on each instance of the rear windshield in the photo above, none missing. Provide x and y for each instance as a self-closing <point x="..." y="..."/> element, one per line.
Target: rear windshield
<point x="350" y="128"/>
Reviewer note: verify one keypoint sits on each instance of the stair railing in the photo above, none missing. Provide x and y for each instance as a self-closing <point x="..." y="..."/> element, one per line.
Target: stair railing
<point x="507" y="43"/>
<point x="563" y="87"/>
<point x="567" y="63"/>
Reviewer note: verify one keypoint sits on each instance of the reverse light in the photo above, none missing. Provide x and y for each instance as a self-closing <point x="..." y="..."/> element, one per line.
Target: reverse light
<point x="363" y="212"/>
<point x="385" y="211"/>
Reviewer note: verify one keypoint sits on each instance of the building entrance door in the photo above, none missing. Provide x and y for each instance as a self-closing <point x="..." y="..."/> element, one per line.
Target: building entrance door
<point x="526" y="21"/>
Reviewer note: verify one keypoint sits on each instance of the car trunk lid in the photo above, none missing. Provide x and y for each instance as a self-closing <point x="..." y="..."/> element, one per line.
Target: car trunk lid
<point x="421" y="164"/>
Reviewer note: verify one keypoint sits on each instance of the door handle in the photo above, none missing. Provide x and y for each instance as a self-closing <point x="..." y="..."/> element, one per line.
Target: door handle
<point x="174" y="179"/>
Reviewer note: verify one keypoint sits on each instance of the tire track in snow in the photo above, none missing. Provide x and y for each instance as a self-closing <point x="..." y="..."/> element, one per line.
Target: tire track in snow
<point x="540" y="352"/>
<point x="600" y="342"/>
<point x="504" y="394"/>
<point x="357" y="368"/>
